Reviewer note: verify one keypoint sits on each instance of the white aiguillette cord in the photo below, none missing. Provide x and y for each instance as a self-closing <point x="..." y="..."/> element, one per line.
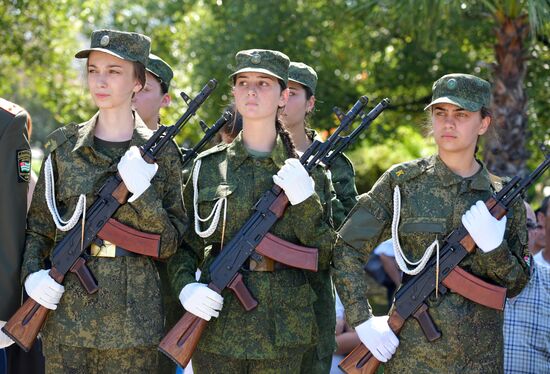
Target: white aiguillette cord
<point x="214" y="215"/>
<point x="80" y="208"/>
<point x="400" y="257"/>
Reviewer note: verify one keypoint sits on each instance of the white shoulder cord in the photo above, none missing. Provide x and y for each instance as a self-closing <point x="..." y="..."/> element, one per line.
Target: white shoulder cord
<point x="399" y="255"/>
<point x="52" y="206"/>
<point x="214" y="215"/>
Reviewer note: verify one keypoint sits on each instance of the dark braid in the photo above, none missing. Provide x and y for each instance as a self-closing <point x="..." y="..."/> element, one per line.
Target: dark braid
<point x="287" y="140"/>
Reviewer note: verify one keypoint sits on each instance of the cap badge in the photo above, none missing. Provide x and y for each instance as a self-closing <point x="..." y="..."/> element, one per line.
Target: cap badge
<point x="451" y="84"/>
<point x="104" y="41"/>
<point x="255" y="58"/>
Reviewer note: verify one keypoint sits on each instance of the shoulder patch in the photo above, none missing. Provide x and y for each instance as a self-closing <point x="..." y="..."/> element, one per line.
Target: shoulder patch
<point x="215" y="149"/>
<point x="10" y="107"/>
<point x="60" y="136"/>
<point x="408" y="170"/>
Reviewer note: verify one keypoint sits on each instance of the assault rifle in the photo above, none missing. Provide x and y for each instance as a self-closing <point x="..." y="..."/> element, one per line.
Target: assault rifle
<point x="254" y="239"/>
<point x="69" y="254"/>
<point x="209" y="132"/>
<point x="411" y="297"/>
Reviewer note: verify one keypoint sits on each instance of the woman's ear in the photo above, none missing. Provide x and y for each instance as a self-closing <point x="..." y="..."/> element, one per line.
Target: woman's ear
<point x="137" y="86"/>
<point x="485" y="123"/>
<point x="283" y="99"/>
<point x="165" y="101"/>
<point x="310" y="104"/>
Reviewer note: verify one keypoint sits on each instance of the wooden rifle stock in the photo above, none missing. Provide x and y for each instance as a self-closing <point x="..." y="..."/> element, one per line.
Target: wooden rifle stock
<point x="361" y="360"/>
<point x="181" y="341"/>
<point x="23" y="327"/>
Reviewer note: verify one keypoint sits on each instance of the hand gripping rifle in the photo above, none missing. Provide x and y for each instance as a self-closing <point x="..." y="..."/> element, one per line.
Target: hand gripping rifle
<point x="254" y="239"/>
<point x="411" y="297"/>
<point x="69" y="254"/>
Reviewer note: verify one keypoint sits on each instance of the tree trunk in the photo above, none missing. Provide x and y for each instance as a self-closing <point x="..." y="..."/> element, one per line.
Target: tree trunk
<point x="505" y="150"/>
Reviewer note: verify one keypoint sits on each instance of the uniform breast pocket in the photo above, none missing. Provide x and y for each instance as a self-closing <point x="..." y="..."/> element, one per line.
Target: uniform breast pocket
<point x="210" y="202"/>
<point x="417" y="233"/>
<point x="67" y="193"/>
<point x="211" y="194"/>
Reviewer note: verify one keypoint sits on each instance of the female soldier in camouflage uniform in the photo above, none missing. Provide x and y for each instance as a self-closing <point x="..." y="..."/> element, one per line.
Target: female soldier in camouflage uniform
<point x="302" y="81"/>
<point x="272" y="337"/>
<point x="435" y="193"/>
<point x="116" y="329"/>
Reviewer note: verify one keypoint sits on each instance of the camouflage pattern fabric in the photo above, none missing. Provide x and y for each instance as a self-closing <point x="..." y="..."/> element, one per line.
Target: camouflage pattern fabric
<point x="433" y="200"/>
<point x="63" y="359"/>
<point x="160" y="69"/>
<point x="274" y="63"/>
<point x="463" y="90"/>
<point x="206" y="362"/>
<point x="284" y="321"/>
<point x="126" y="311"/>
<point x="303" y="74"/>
<point x="342" y="176"/>
<point x="318" y="359"/>
<point x="128" y="46"/>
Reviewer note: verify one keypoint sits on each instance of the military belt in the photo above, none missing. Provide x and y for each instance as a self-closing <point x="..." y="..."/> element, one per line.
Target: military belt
<point x="108" y="249"/>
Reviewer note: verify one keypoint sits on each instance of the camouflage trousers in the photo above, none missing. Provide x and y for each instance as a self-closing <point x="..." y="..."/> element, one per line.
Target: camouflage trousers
<point x="63" y="359"/>
<point x="205" y="362"/>
<point x="311" y="363"/>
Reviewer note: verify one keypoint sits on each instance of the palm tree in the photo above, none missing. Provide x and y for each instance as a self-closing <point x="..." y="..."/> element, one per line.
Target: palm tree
<point x="505" y="152"/>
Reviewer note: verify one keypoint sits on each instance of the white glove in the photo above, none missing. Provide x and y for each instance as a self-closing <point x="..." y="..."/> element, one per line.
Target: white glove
<point x="200" y="300"/>
<point x="295" y="181"/>
<point x="43" y="289"/>
<point x="376" y="335"/>
<point x="136" y="172"/>
<point x="486" y="230"/>
<point x="5" y="340"/>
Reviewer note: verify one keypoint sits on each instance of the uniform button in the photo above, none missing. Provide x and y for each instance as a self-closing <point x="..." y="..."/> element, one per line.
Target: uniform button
<point x="257" y="163"/>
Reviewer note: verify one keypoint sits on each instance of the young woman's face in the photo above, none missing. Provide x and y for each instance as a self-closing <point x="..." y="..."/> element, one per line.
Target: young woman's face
<point x="111" y="80"/>
<point x="148" y="101"/>
<point x="456" y="130"/>
<point x="297" y="106"/>
<point x="258" y="95"/>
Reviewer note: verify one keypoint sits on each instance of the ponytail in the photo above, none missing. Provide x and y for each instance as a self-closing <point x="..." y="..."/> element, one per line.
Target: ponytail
<point x="287" y="140"/>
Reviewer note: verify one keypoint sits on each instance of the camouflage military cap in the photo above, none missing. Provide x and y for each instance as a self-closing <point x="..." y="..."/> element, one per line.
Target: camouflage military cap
<point x="463" y="90"/>
<point x="160" y="69"/>
<point x="305" y="75"/>
<point x="129" y="46"/>
<point x="274" y="63"/>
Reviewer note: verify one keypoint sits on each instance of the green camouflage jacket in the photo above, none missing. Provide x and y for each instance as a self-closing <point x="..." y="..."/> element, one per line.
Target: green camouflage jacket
<point x="433" y="200"/>
<point x="126" y="311"/>
<point x="342" y="176"/>
<point x="284" y="319"/>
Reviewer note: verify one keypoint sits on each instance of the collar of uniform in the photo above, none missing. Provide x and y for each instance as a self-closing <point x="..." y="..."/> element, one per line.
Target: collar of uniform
<point x="86" y="132"/>
<point x="479" y="181"/>
<point x="237" y="152"/>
